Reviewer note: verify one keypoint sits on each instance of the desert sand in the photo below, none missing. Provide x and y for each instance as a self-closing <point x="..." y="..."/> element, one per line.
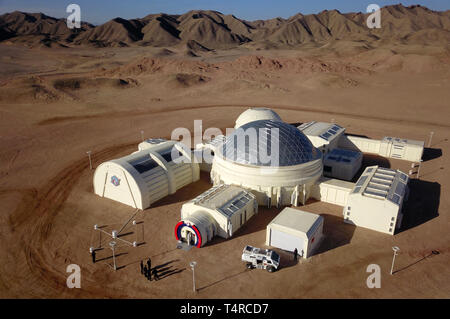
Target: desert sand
<point x="59" y="101"/>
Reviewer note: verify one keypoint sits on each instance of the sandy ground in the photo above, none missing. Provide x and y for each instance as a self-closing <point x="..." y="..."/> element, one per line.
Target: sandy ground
<point x="56" y="104"/>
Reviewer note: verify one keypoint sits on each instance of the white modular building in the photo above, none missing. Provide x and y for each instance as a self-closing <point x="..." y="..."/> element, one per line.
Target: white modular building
<point x="377" y="200"/>
<point x="257" y="114"/>
<point x="272" y="159"/>
<point x="324" y="136"/>
<point x="146" y="176"/>
<point x="220" y="211"/>
<point x="342" y="164"/>
<point x="400" y="148"/>
<point x="333" y="191"/>
<point x="390" y="147"/>
<point x="295" y="229"/>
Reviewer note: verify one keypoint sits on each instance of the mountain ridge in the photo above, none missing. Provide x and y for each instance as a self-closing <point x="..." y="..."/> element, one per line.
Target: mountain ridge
<point x="214" y="30"/>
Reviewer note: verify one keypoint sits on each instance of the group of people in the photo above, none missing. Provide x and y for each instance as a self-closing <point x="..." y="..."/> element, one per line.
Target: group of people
<point x="148" y="271"/>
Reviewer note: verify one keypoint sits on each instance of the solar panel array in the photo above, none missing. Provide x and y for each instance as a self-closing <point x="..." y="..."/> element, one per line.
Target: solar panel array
<point x="381" y="184"/>
<point x="232" y="207"/>
<point x="143" y="164"/>
<point x="342" y="155"/>
<point x="252" y="144"/>
<point x="330" y="132"/>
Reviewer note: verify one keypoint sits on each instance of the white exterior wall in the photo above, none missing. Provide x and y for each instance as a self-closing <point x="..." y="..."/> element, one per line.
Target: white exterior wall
<point x="307" y="244"/>
<point x="127" y="192"/>
<point x="314" y="241"/>
<point x="361" y="144"/>
<point x="413" y="153"/>
<point x="342" y="170"/>
<point x="409" y="150"/>
<point x="332" y="191"/>
<point x="277" y="183"/>
<point x="371" y="213"/>
<point x="402" y="149"/>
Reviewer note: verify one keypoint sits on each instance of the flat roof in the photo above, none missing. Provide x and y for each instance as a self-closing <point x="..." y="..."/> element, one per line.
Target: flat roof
<point x="342" y="155"/>
<point x="382" y="183"/>
<point x="298" y="220"/>
<point x="344" y="185"/>
<point x="324" y="130"/>
<point x="403" y="141"/>
<point x="226" y="199"/>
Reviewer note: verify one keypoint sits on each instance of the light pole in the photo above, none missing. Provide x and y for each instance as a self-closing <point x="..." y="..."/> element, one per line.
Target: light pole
<point x="418" y="169"/>
<point x="90" y="161"/>
<point x="431" y="136"/>
<point x="396" y="250"/>
<point x="142" y="135"/>
<point x="193" y="264"/>
<point x="113" y="245"/>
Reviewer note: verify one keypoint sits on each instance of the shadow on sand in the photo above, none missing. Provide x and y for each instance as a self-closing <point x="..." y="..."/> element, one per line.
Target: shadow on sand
<point x="433" y="253"/>
<point x="185" y="193"/>
<point x="254" y="224"/>
<point x="431" y="153"/>
<point x="371" y="160"/>
<point x="336" y="233"/>
<point x="223" y="279"/>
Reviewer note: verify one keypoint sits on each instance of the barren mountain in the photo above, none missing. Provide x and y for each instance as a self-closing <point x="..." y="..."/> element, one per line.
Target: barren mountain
<point x="47" y="29"/>
<point x="214" y="30"/>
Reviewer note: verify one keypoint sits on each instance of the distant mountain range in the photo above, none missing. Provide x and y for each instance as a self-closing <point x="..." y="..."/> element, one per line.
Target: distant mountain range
<point x="207" y="30"/>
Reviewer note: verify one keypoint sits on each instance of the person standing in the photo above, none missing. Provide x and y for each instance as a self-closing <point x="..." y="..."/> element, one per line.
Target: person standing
<point x="149" y="263"/>
<point x="145" y="271"/>
<point x="295" y="254"/>
<point x="155" y="273"/>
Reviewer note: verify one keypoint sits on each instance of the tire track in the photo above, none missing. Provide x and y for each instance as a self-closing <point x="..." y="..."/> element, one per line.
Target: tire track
<point x="33" y="220"/>
<point x="170" y="109"/>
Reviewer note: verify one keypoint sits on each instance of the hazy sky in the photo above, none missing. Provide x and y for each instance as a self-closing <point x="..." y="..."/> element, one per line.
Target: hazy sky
<point x="100" y="11"/>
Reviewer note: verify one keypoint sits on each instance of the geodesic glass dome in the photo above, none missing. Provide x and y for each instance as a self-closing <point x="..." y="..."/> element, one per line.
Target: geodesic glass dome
<point x="254" y="143"/>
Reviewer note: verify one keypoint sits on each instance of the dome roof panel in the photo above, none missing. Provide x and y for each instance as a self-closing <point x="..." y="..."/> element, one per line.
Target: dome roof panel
<point x="269" y="143"/>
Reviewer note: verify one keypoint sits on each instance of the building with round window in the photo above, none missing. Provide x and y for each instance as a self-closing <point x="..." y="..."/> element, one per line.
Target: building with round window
<point x="272" y="159"/>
